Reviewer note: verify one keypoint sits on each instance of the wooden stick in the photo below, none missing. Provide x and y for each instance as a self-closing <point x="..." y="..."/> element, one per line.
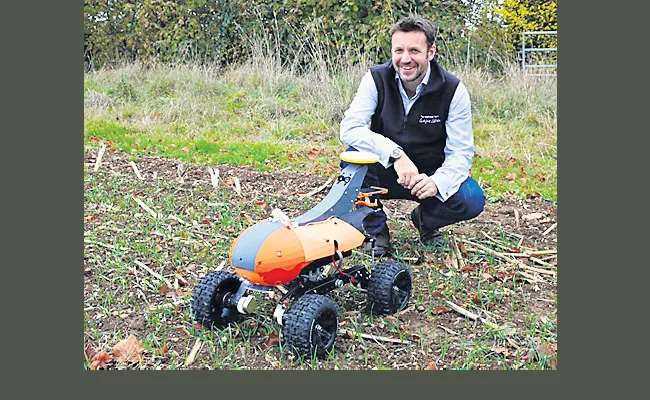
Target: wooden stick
<point x="549" y="229"/>
<point x="237" y="186"/>
<point x="541" y="262"/>
<point x="318" y="189"/>
<point x="529" y="277"/>
<point x="98" y="161"/>
<point x="195" y="350"/>
<point x="463" y="311"/>
<point x="539" y="271"/>
<point x="152" y="272"/>
<point x="214" y="177"/>
<point x="172" y="216"/>
<point x="517" y="217"/>
<point x="145" y="207"/>
<point x="542" y="252"/>
<point x="181" y="171"/>
<point x="449" y="330"/>
<point x="136" y="170"/>
<point x="374" y="337"/>
<point x="223" y="264"/>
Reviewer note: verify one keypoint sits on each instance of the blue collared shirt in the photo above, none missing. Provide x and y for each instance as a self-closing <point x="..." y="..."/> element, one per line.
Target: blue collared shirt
<point x="459" y="147"/>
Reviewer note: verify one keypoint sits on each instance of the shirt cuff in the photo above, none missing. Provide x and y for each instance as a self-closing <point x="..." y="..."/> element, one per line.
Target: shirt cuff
<point x="442" y="183"/>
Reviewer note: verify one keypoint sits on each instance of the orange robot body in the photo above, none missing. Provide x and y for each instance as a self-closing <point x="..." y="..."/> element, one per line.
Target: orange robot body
<point x="271" y="253"/>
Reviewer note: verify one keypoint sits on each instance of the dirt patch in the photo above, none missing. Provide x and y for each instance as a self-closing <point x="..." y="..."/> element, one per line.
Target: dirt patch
<point x="437" y="335"/>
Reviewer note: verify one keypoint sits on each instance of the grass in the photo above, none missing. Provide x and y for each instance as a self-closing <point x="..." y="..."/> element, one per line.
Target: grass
<point x="270" y="116"/>
<point x="121" y="299"/>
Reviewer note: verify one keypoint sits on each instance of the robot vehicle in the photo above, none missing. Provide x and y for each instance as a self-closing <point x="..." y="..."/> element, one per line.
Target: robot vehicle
<point x="302" y="258"/>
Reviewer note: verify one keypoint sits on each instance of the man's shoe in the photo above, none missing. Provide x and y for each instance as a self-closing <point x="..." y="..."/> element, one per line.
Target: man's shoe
<point x="382" y="244"/>
<point x="427" y="237"/>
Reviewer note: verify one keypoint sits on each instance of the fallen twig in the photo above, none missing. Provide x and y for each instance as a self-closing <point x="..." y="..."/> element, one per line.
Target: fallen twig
<point x="541" y="262"/>
<point x="542" y="252"/>
<point x="318" y="189"/>
<point x="172" y="216"/>
<point x="100" y="154"/>
<point x="145" y="207"/>
<point x="517" y="217"/>
<point x="214" y="177"/>
<point x="530" y="277"/>
<point x="470" y="314"/>
<point x="195" y="350"/>
<point x="549" y="229"/>
<point x="152" y="272"/>
<point x="463" y="311"/>
<point x="374" y="337"/>
<point x="237" y="185"/>
<point x="459" y="256"/>
<point x="136" y="170"/>
<point x="449" y="330"/>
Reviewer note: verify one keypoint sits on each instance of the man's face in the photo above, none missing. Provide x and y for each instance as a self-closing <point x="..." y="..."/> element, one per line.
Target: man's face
<point x="410" y="55"/>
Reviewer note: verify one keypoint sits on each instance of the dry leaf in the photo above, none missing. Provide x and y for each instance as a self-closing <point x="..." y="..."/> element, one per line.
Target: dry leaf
<point x="431" y="365"/>
<point x="439" y="310"/>
<point x="90" y="218"/>
<point x="313" y="153"/>
<point x="510" y="177"/>
<point x="164" y="290"/>
<point x="548" y="350"/>
<point x="488" y="277"/>
<point x="468" y="268"/>
<point x="181" y="281"/>
<point x="271" y="341"/>
<point x="184" y="330"/>
<point x="129" y="349"/>
<point x="502" y="274"/>
<point x="90" y="352"/>
<point x="436" y="293"/>
<point x="99" y="360"/>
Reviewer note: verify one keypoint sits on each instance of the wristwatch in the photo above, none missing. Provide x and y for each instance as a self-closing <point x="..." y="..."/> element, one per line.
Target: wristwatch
<point x="396" y="153"/>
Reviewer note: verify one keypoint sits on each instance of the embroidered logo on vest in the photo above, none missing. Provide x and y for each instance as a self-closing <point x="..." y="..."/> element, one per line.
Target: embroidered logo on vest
<point x="429" y="119"/>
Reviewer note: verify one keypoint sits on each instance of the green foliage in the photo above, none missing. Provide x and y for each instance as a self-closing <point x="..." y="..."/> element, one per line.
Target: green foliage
<point x="224" y="31"/>
<point x="500" y="24"/>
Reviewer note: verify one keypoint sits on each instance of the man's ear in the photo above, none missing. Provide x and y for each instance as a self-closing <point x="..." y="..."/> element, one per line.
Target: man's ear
<point x="432" y="52"/>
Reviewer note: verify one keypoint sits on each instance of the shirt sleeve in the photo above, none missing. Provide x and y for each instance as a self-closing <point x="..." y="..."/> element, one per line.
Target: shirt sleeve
<point x="459" y="147"/>
<point x="355" y="126"/>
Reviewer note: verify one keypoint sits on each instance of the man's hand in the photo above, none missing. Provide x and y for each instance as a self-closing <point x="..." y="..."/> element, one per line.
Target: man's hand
<point x="423" y="186"/>
<point x="406" y="171"/>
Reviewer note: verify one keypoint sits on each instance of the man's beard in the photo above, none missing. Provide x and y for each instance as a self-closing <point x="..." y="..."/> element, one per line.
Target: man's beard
<point x="419" y="71"/>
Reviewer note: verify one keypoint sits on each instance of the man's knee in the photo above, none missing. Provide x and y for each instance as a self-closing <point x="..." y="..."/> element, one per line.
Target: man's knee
<point x="474" y="198"/>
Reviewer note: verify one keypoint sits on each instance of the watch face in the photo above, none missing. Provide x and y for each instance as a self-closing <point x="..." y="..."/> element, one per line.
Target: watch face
<point x="396" y="153"/>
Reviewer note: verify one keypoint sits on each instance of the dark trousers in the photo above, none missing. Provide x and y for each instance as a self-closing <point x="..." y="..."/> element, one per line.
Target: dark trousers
<point x="465" y="204"/>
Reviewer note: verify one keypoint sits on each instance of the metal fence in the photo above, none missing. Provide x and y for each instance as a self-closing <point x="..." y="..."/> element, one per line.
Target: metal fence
<point x="530" y="59"/>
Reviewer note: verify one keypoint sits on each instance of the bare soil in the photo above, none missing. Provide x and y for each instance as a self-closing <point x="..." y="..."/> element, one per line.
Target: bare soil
<point x="528" y="219"/>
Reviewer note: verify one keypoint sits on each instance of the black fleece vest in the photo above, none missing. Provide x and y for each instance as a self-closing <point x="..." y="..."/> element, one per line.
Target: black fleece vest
<point x="422" y="132"/>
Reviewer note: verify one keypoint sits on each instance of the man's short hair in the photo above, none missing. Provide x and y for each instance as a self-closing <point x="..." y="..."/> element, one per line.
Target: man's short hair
<point x="416" y="23"/>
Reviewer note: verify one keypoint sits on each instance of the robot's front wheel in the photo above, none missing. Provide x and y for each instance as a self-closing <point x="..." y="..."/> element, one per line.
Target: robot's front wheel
<point x="311" y="325"/>
<point x="389" y="287"/>
<point x="209" y="296"/>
